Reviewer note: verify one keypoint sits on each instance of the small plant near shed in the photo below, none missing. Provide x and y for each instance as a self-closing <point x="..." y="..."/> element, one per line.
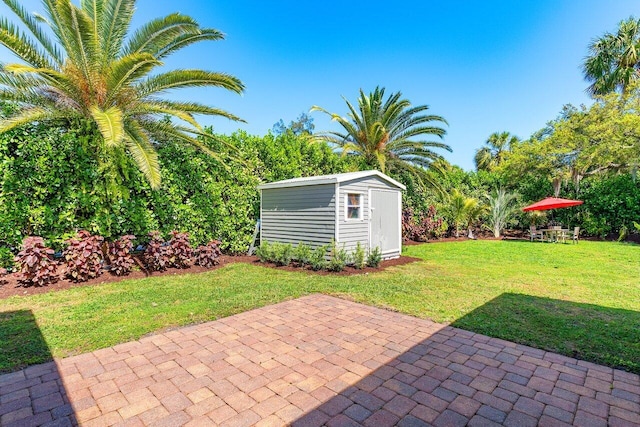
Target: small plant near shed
<point x="208" y="254"/>
<point x="120" y="255"/>
<point x="302" y="254"/>
<point x="181" y="251"/>
<point x="375" y="258"/>
<point x="35" y="263"/>
<point x="282" y="253"/>
<point x="156" y="255"/>
<point x="317" y="259"/>
<point x="339" y="258"/>
<point x="83" y="257"/>
<point x="265" y="252"/>
<point x="359" y="257"/>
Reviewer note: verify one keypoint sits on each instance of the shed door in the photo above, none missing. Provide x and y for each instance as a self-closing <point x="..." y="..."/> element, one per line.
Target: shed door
<point x="385" y="220"/>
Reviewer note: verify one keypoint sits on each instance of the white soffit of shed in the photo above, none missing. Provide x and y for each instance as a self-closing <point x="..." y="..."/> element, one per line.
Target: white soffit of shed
<point x="330" y="179"/>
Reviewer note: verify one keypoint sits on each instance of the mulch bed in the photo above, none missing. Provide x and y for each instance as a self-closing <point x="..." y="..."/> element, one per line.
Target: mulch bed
<point x="9" y="285"/>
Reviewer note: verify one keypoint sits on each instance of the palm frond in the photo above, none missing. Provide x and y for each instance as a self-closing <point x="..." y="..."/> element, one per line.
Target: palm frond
<point x="158" y="32"/>
<point x="188" y="78"/>
<point x="138" y="144"/>
<point x="111" y="125"/>
<point x="24" y="117"/>
<point x="33" y="24"/>
<point x="128" y="69"/>
<point x="186" y="40"/>
<point x="24" y="48"/>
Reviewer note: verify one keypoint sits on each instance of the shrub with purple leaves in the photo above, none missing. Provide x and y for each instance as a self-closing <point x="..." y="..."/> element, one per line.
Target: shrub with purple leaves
<point x="83" y="257"/>
<point x="181" y="251"/>
<point x="120" y="255"/>
<point x="3" y="272"/>
<point x="35" y="263"/>
<point x="208" y="254"/>
<point x="157" y="254"/>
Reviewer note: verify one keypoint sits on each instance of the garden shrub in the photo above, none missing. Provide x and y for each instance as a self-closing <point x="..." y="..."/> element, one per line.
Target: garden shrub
<point x="375" y="258"/>
<point x="157" y="254"/>
<point x="120" y="255"/>
<point x="264" y="252"/>
<point x="208" y="255"/>
<point x="358" y="256"/>
<point x="181" y="251"/>
<point x="6" y="258"/>
<point x="302" y="254"/>
<point x="422" y="226"/>
<point x="338" y="258"/>
<point x="282" y="253"/>
<point x="83" y="257"/>
<point x="35" y="263"/>
<point x="317" y="259"/>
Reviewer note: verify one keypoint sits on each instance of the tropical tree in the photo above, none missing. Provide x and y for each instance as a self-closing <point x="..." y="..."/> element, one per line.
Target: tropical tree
<point x="463" y="211"/>
<point x="613" y="61"/>
<point x="501" y="208"/>
<point x="388" y="134"/>
<point x="86" y="67"/>
<point x="493" y="154"/>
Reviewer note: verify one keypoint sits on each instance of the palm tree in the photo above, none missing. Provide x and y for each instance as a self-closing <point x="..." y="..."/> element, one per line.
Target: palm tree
<point x="388" y="133"/>
<point x="498" y="145"/>
<point x="93" y="70"/>
<point x="613" y="61"/>
<point x="501" y="208"/>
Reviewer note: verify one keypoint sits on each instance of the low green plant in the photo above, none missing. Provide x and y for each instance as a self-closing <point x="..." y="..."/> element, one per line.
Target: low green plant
<point x="264" y="252"/>
<point x="282" y="254"/>
<point x="338" y="259"/>
<point x="375" y="258"/>
<point x="6" y="258"/>
<point x="317" y="259"/>
<point x="302" y="254"/>
<point x="636" y="225"/>
<point x="358" y="257"/>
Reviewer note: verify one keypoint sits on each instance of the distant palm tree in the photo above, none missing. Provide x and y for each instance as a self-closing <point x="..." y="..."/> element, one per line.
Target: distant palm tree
<point x="500" y="208"/>
<point x="613" y="61"/>
<point x="499" y="143"/>
<point x="93" y="70"/>
<point x="388" y="133"/>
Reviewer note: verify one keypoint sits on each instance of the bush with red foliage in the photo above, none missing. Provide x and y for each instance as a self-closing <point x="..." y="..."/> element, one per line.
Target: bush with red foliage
<point x="3" y="272"/>
<point x="421" y="227"/>
<point x="83" y="257"/>
<point x="120" y="255"/>
<point x="35" y="263"/>
<point x="208" y="254"/>
<point x="181" y="251"/>
<point x="156" y="255"/>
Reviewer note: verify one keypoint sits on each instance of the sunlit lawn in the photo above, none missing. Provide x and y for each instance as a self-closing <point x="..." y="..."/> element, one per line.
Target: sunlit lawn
<point x="581" y="300"/>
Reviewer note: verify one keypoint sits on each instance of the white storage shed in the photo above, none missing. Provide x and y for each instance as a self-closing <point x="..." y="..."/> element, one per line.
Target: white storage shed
<point x="353" y="207"/>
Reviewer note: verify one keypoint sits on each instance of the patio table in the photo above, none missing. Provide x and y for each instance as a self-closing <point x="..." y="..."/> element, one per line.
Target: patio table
<point x="555" y="234"/>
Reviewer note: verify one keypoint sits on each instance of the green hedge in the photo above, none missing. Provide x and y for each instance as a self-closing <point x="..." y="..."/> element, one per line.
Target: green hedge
<point x="51" y="184"/>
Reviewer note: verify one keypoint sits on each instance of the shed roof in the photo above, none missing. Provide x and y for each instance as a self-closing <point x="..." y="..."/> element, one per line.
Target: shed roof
<point x="330" y="179"/>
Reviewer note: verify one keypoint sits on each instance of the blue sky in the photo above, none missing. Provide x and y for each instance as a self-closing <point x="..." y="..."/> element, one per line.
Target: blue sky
<point x="484" y="66"/>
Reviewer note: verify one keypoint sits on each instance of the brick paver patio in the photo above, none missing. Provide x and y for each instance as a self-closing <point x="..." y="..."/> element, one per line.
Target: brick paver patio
<point x="319" y="360"/>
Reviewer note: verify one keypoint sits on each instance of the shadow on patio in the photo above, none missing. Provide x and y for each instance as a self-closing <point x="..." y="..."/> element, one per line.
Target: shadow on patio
<point x="458" y="378"/>
<point x="34" y="395"/>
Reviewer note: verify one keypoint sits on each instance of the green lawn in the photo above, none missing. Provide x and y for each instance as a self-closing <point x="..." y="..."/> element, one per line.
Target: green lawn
<point x="580" y="300"/>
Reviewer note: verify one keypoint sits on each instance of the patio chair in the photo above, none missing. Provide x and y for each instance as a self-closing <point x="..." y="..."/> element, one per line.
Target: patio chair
<point x="575" y="234"/>
<point x="535" y="234"/>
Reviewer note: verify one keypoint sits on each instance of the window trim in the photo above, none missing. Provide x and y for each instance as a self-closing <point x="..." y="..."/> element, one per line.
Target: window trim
<point x="360" y="206"/>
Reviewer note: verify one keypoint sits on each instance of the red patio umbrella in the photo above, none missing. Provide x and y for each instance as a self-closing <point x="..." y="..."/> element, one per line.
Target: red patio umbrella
<point x="552" y="203"/>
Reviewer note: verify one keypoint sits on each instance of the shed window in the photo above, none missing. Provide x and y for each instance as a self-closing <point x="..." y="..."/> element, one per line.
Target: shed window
<point x="354" y="206"/>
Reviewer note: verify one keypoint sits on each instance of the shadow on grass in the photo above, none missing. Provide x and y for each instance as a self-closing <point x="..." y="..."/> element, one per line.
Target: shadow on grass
<point x="607" y="336"/>
<point x="33" y="395"/>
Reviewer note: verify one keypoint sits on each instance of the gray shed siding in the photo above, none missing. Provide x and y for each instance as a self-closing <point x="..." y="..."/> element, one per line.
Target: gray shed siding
<point x="353" y="231"/>
<point x="299" y="214"/>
